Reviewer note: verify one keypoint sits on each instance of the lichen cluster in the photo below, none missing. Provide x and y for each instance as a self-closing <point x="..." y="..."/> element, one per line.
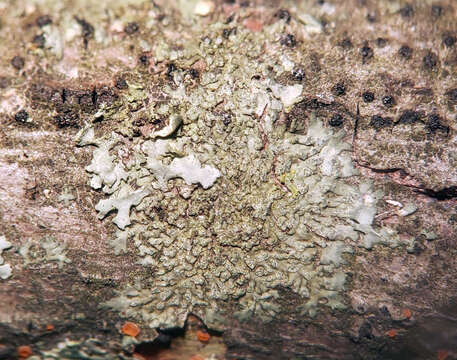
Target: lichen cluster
<point x="226" y="206"/>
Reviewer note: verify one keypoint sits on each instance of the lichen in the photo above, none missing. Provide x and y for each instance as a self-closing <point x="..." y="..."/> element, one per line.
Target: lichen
<point x="225" y="213"/>
<point x="5" y="269"/>
<point x="48" y="249"/>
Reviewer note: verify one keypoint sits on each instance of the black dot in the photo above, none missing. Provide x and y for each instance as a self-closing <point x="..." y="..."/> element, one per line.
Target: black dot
<point x="449" y="40"/>
<point x="339" y="89"/>
<point x="226" y="33"/>
<point x="346" y="43"/>
<point x="336" y="120"/>
<point x="39" y="40"/>
<point x="379" y="122"/>
<point x="388" y="101"/>
<point x="368" y="96"/>
<point x="371" y="17"/>
<point x="405" y="51"/>
<point x="121" y="84"/>
<point x="366" y="52"/>
<point x="21" y="116"/>
<point x="298" y="74"/>
<point x="289" y="40"/>
<point x="18" y="62"/>
<point x="44" y="20"/>
<point x="406" y="11"/>
<point x="430" y="60"/>
<point x="131" y="28"/>
<point x="284" y="15"/>
<point x="144" y="59"/>
<point x="226" y="118"/>
<point x="409" y="117"/>
<point x="437" y="10"/>
<point x="381" y="42"/>
<point x="434" y="124"/>
<point x="194" y="73"/>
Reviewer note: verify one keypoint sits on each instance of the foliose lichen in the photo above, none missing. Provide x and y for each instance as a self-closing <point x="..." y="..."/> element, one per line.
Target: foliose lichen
<point x="225" y="213"/>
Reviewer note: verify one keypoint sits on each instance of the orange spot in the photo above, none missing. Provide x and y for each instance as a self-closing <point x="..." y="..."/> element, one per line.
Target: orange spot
<point x="130" y="329"/>
<point x="253" y="25"/>
<point x="391" y="333"/>
<point x="49" y="327"/>
<point x="197" y="357"/>
<point x="442" y="354"/>
<point x="203" y="336"/>
<point x="407" y="313"/>
<point x="24" y="351"/>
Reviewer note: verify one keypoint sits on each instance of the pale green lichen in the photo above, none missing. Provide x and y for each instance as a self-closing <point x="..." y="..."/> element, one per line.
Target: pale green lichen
<point x="227" y="213"/>
<point x="48" y="249"/>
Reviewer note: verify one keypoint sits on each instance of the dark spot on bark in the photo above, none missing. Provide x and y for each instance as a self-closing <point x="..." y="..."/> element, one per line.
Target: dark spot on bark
<point x="368" y="96"/>
<point x="67" y="119"/>
<point x="371" y="17"/>
<point x="405" y="52"/>
<point x="381" y="42"/>
<point x="365" y="331"/>
<point x="346" y="43"/>
<point x="452" y="94"/>
<point x="194" y="73"/>
<point x="87" y="30"/>
<point x="131" y="28"/>
<point x="18" y="62"/>
<point x="388" y="101"/>
<point x="226" y="118"/>
<point x="379" y="122"/>
<point x="46" y="94"/>
<point x="437" y="10"/>
<point x="298" y="74"/>
<point x="43" y="20"/>
<point x="289" y="41"/>
<point x="227" y="32"/>
<point x="385" y="311"/>
<point x="138" y="123"/>
<point x="430" y="60"/>
<point x="336" y="120"/>
<point x="339" y="89"/>
<point x="86" y="100"/>
<point x="4" y="82"/>
<point x="121" y="84"/>
<point x="170" y="70"/>
<point x="366" y="52"/>
<point x="449" y="40"/>
<point x="407" y="11"/>
<point x="409" y="117"/>
<point x="434" y="124"/>
<point x="444" y="194"/>
<point x="21" y="116"/>
<point x="313" y="104"/>
<point x="99" y="119"/>
<point x="39" y="40"/>
<point x="143" y="59"/>
<point x="104" y="95"/>
<point x="229" y="19"/>
<point x="283" y="14"/>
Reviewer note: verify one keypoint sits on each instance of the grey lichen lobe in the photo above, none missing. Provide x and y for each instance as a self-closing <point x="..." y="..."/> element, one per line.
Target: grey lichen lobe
<point x="227" y="212"/>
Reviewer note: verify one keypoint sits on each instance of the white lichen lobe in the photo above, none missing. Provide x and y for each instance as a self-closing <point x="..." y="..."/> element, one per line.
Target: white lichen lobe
<point x="5" y="269"/>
